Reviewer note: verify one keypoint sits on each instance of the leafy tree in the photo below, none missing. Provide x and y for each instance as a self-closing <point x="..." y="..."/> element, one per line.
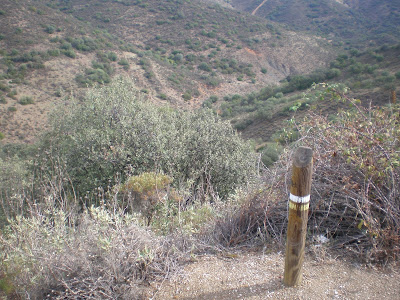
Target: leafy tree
<point x="115" y="132"/>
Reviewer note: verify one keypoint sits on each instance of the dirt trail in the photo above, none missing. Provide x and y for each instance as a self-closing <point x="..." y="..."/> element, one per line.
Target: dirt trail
<point x="259" y="276"/>
<point x="258" y="7"/>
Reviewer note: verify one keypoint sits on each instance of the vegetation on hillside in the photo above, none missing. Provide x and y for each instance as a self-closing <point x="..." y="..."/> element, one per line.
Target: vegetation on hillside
<point x="103" y="243"/>
<point x="115" y="132"/>
<point x="353" y="22"/>
<point x="119" y="192"/>
<point x="355" y="189"/>
<point x="205" y="32"/>
<point x="373" y="72"/>
<point x="183" y="55"/>
<point x="140" y="166"/>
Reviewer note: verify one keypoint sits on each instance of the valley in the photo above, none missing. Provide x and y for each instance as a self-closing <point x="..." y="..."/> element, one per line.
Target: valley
<point x="47" y="57"/>
<point x="54" y="49"/>
<point x="147" y="147"/>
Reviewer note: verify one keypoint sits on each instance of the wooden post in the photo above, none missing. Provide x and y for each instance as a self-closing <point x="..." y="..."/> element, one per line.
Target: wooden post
<point x="298" y="215"/>
<point x="393" y="96"/>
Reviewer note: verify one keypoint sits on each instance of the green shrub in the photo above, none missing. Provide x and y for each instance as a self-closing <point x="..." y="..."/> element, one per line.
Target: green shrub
<point x="354" y="52"/>
<point x="162" y="96"/>
<point x="66" y="46"/>
<point x="97" y="75"/>
<point x="212" y="81"/>
<point x="26" y="100"/>
<point x="149" y="74"/>
<point x="397" y="75"/>
<point x="2" y="136"/>
<point x="53" y="52"/>
<point x="50" y="29"/>
<point x="70" y="53"/>
<point x="264" y="70"/>
<point x="205" y="67"/>
<point x="213" y="98"/>
<point x="84" y="44"/>
<point x="12" y="109"/>
<point x="12" y="94"/>
<point x="4" y="87"/>
<point x="270" y="154"/>
<point x="357" y="68"/>
<point x="3" y="100"/>
<point x="187" y="95"/>
<point x="123" y="62"/>
<point x="23" y="67"/>
<point x="2" y="12"/>
<point x="243" y="124"/>
<point x="379" y="57"/>
<point x="113" y="131"/>
<point x="207" y="103"/>
<point x="105" y="66"/>
<point x="55" y="39"/>
<point x="112" y="56"/>
<point x="333" y="73"/>
<point x="14" y="52"/>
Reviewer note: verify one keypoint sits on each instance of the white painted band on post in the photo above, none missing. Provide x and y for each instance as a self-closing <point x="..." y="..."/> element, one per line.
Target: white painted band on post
<point x="298" y="199"/>
<point x="301" y="207"/>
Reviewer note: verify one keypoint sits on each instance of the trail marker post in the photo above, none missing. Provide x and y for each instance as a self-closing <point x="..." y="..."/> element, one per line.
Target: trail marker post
<point x="298" y="215"/>
<point x="393" y="97"/>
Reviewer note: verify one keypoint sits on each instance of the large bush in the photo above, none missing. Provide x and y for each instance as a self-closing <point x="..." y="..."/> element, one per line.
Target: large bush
<point x="115" y="132"/>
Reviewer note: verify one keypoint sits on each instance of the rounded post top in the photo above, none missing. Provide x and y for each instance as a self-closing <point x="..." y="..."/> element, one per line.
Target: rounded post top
<point x="302" y="157"/>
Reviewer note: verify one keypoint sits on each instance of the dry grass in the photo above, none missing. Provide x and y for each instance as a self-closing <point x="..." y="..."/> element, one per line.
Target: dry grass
<point x="99" y="255"/>
<point x="52" y="250"/>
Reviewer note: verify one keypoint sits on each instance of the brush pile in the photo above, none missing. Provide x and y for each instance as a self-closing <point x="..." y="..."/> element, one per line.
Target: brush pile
<point x="355" y="197"/>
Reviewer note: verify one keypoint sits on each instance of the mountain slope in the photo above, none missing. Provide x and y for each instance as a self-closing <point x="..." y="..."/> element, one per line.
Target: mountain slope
<point x="179" y="51"/>
<point x="358" y="22"/>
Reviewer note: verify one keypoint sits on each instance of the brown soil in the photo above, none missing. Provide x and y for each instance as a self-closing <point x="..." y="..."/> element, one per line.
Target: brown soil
<point x="259" y="276"/>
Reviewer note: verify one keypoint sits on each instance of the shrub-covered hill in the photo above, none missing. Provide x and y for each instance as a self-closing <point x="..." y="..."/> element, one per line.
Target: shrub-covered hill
<point x="372" y="75"/>
<point x="353" y="21"/>
<point x="177" y="51"/>
<point x="180" y="192"/>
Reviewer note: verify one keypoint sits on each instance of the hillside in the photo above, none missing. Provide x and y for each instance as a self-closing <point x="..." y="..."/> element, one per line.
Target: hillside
<point x="88" y="217"/>
<point x="372" y="75"/>
<point x="355" y="22"/>
<point x="51" y="49"/>
<point x="132" y="192"/>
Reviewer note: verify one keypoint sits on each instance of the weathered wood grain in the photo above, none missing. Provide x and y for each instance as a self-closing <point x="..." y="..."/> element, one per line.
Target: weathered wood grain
<point x="298" y="216"/>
